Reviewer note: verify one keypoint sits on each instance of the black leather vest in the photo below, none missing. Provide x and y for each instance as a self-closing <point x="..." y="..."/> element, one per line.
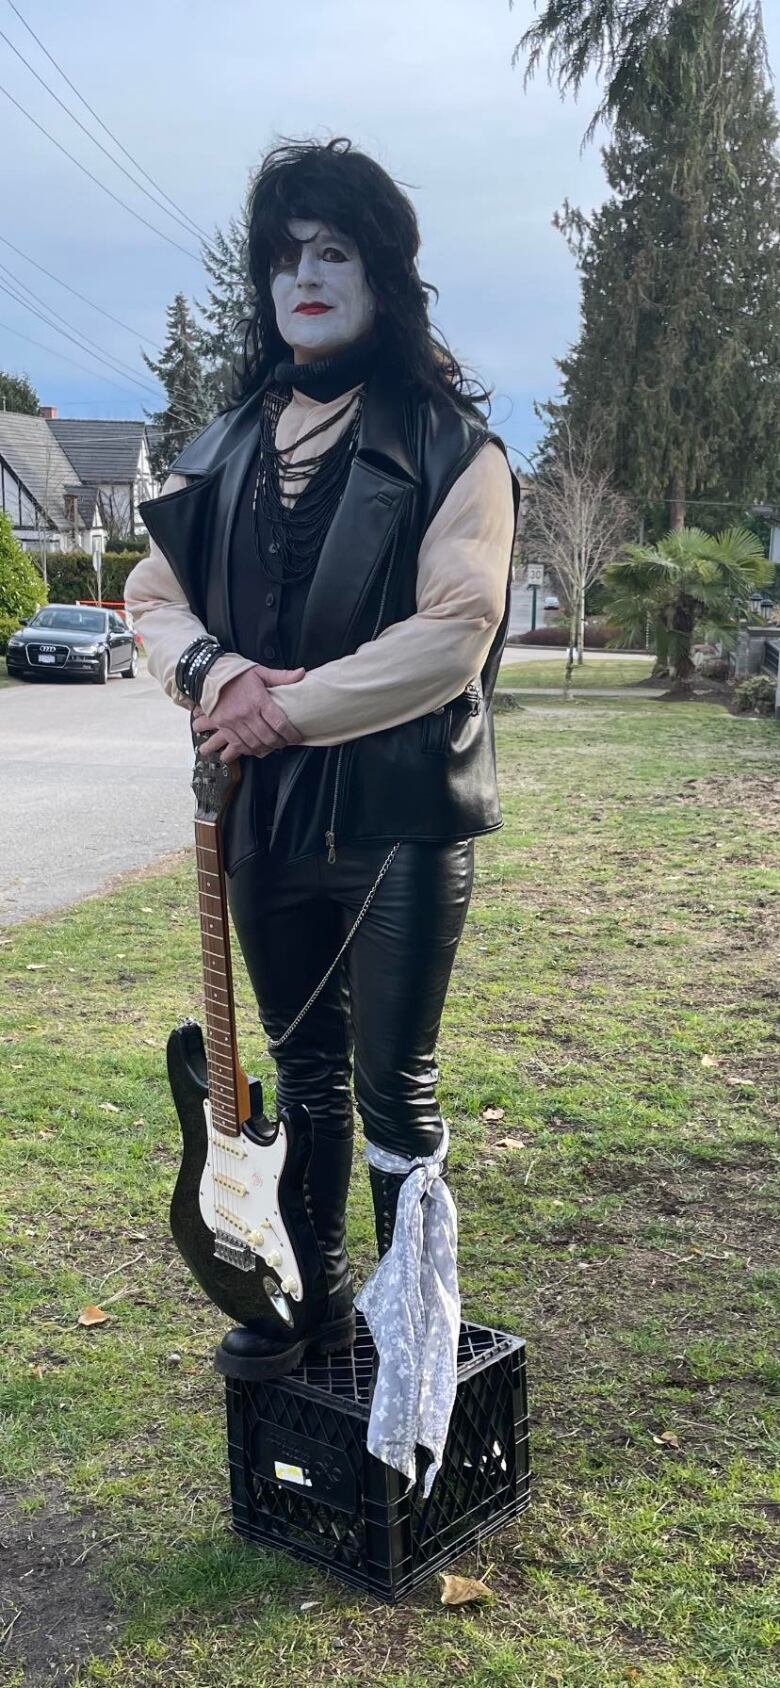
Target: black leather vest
<point x="432" y="779"/>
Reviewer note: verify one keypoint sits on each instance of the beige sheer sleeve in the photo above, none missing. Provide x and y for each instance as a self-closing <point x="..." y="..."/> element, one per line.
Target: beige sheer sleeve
<point x="167" y="625"/>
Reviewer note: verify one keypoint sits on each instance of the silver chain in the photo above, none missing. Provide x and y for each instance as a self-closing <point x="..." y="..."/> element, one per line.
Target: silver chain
<point x="276" y="1042"/>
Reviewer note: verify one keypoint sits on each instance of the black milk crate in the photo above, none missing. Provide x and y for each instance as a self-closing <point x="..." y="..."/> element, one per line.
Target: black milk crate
<point x="303" y="1480"/>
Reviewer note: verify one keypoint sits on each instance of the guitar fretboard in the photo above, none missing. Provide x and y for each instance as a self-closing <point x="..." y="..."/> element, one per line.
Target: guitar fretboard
<point x="227" y="1082"/>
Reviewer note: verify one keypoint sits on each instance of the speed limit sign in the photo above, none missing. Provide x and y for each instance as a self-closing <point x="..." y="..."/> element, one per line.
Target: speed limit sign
<point x="534" y="574"/>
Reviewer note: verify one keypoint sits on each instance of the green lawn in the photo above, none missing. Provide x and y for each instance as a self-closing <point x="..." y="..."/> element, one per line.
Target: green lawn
<point x="594" y="670"/>
<point x="616" y="996"/>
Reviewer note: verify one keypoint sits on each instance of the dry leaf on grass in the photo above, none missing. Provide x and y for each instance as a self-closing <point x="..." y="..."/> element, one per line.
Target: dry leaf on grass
<point x="92" y="1316"/>
<point x="708" y="1061"/>
<point x="108" y="1107"/>
<point x="513" y="1143"/>
<point x="36" y="966"/>
<point x="492" y="1115"/>
<point x="667" y="1439"/>
<point x="463" y="1591"/>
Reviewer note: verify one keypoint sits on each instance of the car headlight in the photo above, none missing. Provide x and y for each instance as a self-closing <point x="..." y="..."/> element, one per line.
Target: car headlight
<point x="88" y="650"/>
<point x="14" y="643"/>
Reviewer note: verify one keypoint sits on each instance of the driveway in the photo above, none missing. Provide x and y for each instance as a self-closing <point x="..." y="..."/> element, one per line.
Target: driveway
<point x="95" y="781"/>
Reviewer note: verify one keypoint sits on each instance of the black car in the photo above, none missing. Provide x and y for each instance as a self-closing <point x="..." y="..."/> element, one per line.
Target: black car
<point x="65" y="639"/>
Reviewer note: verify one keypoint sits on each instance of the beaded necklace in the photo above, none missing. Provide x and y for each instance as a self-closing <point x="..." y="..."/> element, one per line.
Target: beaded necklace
<point x="297" y="531"/>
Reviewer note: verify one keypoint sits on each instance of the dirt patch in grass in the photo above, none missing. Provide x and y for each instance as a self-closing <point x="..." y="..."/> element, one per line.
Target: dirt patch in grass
<point x="53" y="1614"/>
<point x="752" y="794"/>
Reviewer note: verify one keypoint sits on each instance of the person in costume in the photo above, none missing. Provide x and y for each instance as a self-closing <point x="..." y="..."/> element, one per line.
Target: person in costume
<point x="328" y="590"/>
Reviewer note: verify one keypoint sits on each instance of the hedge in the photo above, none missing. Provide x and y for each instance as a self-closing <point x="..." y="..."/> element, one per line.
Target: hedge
<point x="597" y="637"/>
<point x="72" y="576"/>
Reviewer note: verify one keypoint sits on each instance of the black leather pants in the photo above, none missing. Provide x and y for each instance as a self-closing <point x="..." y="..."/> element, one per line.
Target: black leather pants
<point x="384" y="1001"/>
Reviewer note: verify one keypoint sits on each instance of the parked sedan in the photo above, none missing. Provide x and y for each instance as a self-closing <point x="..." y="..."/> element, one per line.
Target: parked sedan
<point x="67" y="639"/>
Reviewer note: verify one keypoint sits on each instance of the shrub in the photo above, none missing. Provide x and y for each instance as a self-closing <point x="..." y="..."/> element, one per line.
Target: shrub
<point x="714" y="668"/>
<point x="598" y="635"/>
<point x="21" y="586"/>
<point x="756" y="693"/>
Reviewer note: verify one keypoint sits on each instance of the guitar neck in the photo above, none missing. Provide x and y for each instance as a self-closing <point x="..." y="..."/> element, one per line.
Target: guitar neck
<point x="228" y="1084"/>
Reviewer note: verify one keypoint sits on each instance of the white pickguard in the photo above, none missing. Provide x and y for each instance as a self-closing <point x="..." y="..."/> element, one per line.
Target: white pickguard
<point x="239" y="1197"/>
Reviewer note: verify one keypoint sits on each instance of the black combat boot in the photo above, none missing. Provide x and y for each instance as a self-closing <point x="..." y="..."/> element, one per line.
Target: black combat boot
<point x="385" y="1190"/>
<point x="250" y="1354"/>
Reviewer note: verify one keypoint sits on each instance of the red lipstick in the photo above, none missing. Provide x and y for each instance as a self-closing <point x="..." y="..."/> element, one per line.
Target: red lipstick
<point x="311" y="309"/>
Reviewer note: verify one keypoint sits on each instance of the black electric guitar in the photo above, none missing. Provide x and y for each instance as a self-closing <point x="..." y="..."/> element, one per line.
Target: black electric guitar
<point x="237" y="1215"/>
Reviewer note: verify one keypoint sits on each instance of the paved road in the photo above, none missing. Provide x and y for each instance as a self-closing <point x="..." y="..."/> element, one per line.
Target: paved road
<point x="95" y="781"/>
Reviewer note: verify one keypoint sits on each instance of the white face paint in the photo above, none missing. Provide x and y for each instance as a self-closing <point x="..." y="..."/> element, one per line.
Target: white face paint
<point x="320" y="291"/>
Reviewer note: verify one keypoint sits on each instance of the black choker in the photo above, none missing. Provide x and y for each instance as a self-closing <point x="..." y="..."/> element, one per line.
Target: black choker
<point x="328" y="378"/>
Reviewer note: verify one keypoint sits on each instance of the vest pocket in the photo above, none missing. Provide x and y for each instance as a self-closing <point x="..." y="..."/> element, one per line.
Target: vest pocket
<point x="436" y="731"/>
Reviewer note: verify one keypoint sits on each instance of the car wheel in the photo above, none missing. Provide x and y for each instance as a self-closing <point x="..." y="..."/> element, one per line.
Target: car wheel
<point x="101" y="678"/>
<point x="130" y="673"/>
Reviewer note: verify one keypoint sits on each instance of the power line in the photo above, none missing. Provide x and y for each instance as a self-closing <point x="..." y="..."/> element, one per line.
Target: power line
<point x="96" y="179"/>
<point x="50" y="312"/>
<point x="187" y="417"/>
<point x="188" y="227"/>
<point x="82" y="296"/>
<point x="104" y="126"/>
<point x="52" y="351"/>
<point x="78" y="339"/>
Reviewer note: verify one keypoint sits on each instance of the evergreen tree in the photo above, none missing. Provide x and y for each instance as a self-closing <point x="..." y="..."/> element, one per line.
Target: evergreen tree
<point x="229" y="302"/>
<point x="17" y="393"/>
<point x="677" y="367"/>
<point x="179" y="371"/>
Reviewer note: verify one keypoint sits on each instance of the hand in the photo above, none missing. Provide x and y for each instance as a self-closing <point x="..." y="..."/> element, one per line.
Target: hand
<point x="245" y="720"/>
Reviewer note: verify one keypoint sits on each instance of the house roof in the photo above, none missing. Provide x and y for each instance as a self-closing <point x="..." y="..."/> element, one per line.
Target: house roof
<point x="100" y="451"/>
<point x="38" y="461"/>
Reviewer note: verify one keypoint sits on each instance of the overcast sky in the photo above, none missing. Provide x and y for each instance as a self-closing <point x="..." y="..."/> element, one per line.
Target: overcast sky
<point x="198" y="89"/>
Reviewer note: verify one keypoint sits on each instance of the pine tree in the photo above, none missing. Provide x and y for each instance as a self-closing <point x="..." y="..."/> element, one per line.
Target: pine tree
<point x="17" y="393"/>
<point x="179" y="371"/>
<point x="220" y="340"/>
<point x="678" y="359"/>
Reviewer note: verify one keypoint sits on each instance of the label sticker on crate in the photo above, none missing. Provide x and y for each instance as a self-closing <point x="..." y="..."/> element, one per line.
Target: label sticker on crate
<point x="291" y="1473"/>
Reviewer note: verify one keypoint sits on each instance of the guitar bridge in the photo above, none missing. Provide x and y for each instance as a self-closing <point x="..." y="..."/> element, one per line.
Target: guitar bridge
<point x="233" y="1252"/>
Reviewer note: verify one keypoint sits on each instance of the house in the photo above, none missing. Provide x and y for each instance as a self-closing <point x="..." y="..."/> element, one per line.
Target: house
<point x="51" y="509"/>
<point x="115" y="458"/>
<point x="69" y="484"/>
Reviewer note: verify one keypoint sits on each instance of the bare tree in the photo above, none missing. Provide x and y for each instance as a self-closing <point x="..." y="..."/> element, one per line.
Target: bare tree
<point x="42" y="520"/>
<point x="575" y="523"/>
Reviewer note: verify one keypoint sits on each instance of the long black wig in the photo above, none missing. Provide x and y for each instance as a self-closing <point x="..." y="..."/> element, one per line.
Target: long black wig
<point x="334" y="183"/>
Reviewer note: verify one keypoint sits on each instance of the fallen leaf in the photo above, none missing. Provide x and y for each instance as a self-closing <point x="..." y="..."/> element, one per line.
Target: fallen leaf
<point x="667" y="1439"/>
<point x="139" y="1122"/>
<point x="145" y="909"/>
<point x="493" y="1114"/>
<point x="708" y="1061"/>
<point x="108" y="1107"/>
<point x="513" y="1143"/>
<point x="151" y="1042"/>
<point x="35" y="966"/>
<point x="463" y="1591"/>
<point x="92" y="1316"/>
<point x="308" y="1605"/>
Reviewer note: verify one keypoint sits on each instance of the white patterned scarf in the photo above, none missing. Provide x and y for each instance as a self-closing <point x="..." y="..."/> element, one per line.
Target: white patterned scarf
<point x="412" y="1305"/>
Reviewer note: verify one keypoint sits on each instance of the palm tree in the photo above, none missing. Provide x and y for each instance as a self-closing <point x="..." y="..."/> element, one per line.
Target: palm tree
<point x="688" y="577"/>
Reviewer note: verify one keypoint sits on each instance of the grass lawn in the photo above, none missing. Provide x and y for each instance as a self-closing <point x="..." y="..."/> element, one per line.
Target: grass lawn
<point x="593" y="671"/>
<point x="616" y="996"/>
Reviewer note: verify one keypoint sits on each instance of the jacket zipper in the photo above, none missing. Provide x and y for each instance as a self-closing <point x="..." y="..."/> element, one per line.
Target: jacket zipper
<point x="330" y="836"/>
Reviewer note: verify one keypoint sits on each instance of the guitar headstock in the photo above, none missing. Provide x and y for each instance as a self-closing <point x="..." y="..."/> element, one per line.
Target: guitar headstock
<point x="213" y="782"/>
